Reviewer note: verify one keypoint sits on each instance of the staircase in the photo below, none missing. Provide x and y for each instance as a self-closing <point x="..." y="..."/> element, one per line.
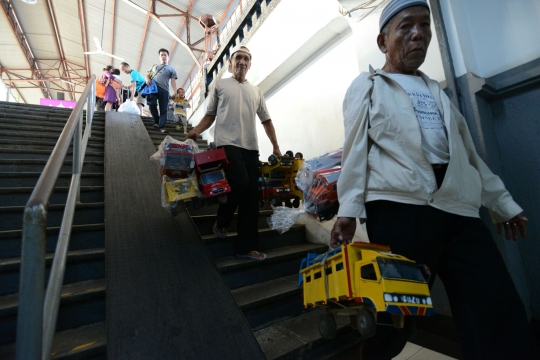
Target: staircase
<point x="28" y="134"/>
<point x="267" y="292"/>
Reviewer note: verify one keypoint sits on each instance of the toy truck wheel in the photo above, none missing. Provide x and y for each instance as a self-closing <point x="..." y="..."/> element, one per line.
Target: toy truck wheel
<point x="261" y="203"/>
<point x="289" y="153"/>
<point x="296" y="202"/>
<point x="299" y="155"/>
<point x="327" y="326"/>
<point x="197" y="203"/>
<point x="222" y="199"/>
<point x="212" y="146"/>
<point x="272" y="159"/>
<point x="365" y="322"/>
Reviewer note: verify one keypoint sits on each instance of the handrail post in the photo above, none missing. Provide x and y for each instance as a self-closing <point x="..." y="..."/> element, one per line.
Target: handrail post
<point x="32" y="284"/>
<point x="76" y="158"/>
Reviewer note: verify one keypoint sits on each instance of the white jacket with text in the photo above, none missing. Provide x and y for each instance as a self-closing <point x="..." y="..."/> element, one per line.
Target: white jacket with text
<point x="383" y="158"/>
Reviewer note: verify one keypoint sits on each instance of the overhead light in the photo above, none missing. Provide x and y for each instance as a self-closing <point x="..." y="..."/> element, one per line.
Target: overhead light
<point x="31" y="2"/>
<point x="135" y="6"/>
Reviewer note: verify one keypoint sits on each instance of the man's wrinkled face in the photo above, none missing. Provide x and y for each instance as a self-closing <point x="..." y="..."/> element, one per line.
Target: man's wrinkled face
<point x="240" y="63"/>
<point x="408" y="39"/>
<point x="164" y="57"/>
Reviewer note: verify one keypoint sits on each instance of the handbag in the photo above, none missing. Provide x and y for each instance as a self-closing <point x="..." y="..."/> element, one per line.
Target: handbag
<point x="100" y="89"/>
<point x="152" y="88"/>
<point x="115" y="84"/>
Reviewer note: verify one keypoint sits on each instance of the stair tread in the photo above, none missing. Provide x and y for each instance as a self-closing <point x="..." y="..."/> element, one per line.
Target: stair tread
<point x="232" y="262"/>
<point x="252" y="295"/>
<point x="262" y="231"/>
<point x="9" y="234"/>
<point x="11" y="264"/>
<point x="70" y="292"/>
<point x="88" y="339"/>
<point x="291" y="336"/>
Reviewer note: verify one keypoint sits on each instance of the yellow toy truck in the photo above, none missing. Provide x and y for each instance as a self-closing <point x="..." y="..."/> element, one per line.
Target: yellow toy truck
<point x="361" y="280"/>
<point x="277" y="184"/>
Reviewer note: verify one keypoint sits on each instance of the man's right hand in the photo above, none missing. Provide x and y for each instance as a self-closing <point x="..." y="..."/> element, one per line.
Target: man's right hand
<point x="148" y="82"/>
<point x="131" y="98"/>
<point x="343" y="231"/>
<point x="192" y="135"/>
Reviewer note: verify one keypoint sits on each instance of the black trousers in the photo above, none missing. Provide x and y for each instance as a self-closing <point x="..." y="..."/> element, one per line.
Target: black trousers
<point x="242" y="174"/>
<point x="163" y="97"/>
<point x="489" y="316"/>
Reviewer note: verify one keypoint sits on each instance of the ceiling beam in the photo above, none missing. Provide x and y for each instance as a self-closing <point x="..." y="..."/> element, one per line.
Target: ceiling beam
<point x="184" y="22"/>
<point x="83" y="36"/>
<point x="231" y="2"/>
<point x="112" y="30"/>
<point x="59" y="46"/>
<point x="18" y="32"/>
<point x="151" y="7"/>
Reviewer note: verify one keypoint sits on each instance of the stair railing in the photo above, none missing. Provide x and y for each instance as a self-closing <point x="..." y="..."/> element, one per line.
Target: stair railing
<point x="37" y="312"/>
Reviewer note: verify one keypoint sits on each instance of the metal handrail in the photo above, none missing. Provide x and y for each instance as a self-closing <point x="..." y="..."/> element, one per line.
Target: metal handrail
<point x="36" y="319"/>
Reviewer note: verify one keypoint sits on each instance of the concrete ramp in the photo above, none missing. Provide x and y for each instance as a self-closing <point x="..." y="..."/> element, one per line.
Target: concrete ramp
<point x="165" y="297"/>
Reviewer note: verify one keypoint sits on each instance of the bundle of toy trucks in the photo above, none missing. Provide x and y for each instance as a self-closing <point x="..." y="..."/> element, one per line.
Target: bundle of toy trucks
<point x="277" y="180"/>
<point x="190" y="177"/>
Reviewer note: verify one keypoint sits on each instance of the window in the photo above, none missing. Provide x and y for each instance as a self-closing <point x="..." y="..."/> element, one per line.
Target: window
<point x="328" y="271"/>
<point x="399" y="269"/>
<point x="308" y="278"/>
<point x="339" y="266"/>
<point x="318" y="275"/>
<point x="367" y="272"/>
<point x="212" y="177"/>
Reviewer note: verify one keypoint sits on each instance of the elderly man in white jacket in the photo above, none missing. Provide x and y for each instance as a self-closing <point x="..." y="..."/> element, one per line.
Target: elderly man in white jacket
<point x="411" y="172"/>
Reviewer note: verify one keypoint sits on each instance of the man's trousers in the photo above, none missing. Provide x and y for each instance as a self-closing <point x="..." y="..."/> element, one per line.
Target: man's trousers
<point x="242" y="174"/>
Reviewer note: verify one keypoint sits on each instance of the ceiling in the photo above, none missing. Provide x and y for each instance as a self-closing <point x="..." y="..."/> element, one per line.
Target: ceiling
<point x="42" y="45"/>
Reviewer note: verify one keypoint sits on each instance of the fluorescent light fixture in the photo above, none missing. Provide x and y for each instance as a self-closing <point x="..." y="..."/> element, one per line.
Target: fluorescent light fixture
<point x="31" y="2"/>
<point x="136" y="7"/>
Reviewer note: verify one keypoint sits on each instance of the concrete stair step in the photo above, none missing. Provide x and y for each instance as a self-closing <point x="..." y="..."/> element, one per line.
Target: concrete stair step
<point x="82" y="265"/>
<point x="33" y="165"/>
<point x="268" y="239"/>
<point x="299" y="338"/>
<point x="7" y="153"/>
<point x="280" y="262"/>
<point x="17" y="132"/>
<point x="83" y="236"/>
<point x="81" y="304"/>
<point x="85" y="342"/>
<point x="29" y="144"/>
<point x="271" y="301"/>
<point x="11" y="217"/>
<point x="18" y="196"/>
<point x="205" y="223"/>
<point x="25" y="179"/>
<point x="51" y="123"/>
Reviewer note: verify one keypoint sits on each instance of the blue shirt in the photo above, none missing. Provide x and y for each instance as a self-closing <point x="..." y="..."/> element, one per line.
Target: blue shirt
<point x="138" y="78"/>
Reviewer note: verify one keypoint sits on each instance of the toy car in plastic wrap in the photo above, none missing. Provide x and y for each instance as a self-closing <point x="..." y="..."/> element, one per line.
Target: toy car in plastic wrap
<point x="322" y="201"/>
<point x="277" y="184"/>
<point x="362" y="280"/>
<point x="308" y="171"/>
<point x="179" y="192"/>
<point x="177" y="161"/>
<point x="209" y="169"/>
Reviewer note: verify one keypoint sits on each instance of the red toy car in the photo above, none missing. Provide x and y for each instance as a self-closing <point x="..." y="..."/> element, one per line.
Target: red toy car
<point x="323" y="200"/>
<point x="177" y="161"/>
<point x="209" y="168"/>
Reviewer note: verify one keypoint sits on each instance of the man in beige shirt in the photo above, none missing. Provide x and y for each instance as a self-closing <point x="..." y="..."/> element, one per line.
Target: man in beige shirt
<point x="232" y="105"/>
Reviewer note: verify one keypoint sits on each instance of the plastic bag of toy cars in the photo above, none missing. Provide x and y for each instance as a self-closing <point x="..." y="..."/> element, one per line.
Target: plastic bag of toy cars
<point x="176" y="167"/>
<point x="317" y="178"/>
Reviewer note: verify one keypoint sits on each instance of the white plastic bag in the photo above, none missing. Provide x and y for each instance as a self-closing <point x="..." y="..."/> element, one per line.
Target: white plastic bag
<point x="129" y="107"/>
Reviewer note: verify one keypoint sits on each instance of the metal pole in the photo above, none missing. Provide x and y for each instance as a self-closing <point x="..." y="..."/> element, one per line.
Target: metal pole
<point x="54" y="287"/>
<point x="76" y="158"/>
<point x="7" y="93"/>
<point x="31" y="284"/>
